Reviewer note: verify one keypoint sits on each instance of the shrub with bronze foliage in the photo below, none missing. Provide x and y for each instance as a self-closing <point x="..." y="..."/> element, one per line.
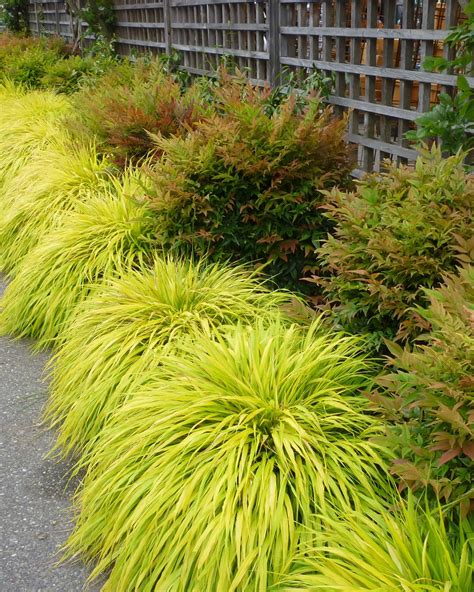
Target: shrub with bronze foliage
<point x="247" y="184"/>
<point x="132" y="103"/>
<point x="428" y="400"/>
<point x="396" y="235"/>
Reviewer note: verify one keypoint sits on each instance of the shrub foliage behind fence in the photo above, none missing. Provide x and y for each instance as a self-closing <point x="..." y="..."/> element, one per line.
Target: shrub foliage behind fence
<point x="375" y="49"/>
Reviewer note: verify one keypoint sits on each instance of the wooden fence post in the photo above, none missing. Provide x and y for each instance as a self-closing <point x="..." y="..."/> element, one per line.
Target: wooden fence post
<point x="168" y="30"/>
<point x="57" y="17"/>
<point x="274" y="41"/>
<point x="38" y="29"/>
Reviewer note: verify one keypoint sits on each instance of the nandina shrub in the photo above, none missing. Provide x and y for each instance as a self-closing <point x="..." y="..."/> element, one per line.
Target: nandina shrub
<point x="248" y="185"/>
<point x="428" y="399"/>
<point x="209" y="476"/>
<point x="131" y="103"/>
<point x="108" y="232"/>
<point x="397" y="234"/>
<point x="407" y="547"/>
<point x="125" y="327"/>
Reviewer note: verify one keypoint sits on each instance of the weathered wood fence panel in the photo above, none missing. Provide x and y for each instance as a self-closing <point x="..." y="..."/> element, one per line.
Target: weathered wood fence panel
<point x="373" y="48"/>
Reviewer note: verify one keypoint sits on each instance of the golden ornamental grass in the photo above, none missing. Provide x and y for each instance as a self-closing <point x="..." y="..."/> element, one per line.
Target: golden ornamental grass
<point x="126" y="326"/>
<point x="108" y="232"/>
<point x="210" y="475"/>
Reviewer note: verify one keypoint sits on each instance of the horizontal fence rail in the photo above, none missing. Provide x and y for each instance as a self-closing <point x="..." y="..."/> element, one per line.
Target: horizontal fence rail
<point x="374" y="50"/>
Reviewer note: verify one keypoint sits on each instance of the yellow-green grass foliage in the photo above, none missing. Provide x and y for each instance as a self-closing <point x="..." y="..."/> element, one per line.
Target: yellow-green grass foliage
<point x="407" y="548"/>
<point x="109" y="232"/>
<point x="124" y="328"/>
<point x="53" y="181"/>
<point x="209" y="476"/>
<point x="28" y="122"/>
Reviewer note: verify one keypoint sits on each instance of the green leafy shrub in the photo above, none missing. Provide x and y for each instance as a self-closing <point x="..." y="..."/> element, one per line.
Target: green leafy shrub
<point x="396" y="235"/>
<point x="131" y="103"/>
<point x="428" y="401"/>
<point x="108" y="232"/>
<point x="47" y="63"/>
<point x="28" y="67"/>
<point x="407" y="549"/>
<point x="26" y="60"/>
<point x="247" y="185"/>
<point x="451" y="122"/>
<point x="207" y="478"/>
<point x="52" y="182"/>
<point x="124" y="329"/>
<point x="67" y="76"/>
<point x="100" y="17"/>
<point x="14" y="15"/>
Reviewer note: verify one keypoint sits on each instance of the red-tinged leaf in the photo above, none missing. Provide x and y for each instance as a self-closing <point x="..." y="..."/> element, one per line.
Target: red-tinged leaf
<point x="468" y="449"/>
<point x="289" y="246"/>
<point x="449" y="455"/>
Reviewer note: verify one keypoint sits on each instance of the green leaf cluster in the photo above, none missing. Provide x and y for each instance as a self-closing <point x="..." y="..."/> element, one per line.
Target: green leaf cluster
<point x="248" y="185"/>
<point x="46" y="63"/>
<point x="33" y="204"/>
<point x="29" y="121"/>
<point x="428" y="399"/>
<point x="397" y="234"/>
<point x="407" y="547"/>
<point x="451" y="122"/>
<point x="14" y="15"/>
<point x="108" y="232"/>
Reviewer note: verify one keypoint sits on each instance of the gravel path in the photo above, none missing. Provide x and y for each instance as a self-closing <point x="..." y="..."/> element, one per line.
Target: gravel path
<point x="35" y="511"/>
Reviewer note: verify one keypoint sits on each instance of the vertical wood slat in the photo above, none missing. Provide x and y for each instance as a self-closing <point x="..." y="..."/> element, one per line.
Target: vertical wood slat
<point x="387" y="83"/>
<point x="451" y="12"/>
<point x="168" y="31"/>
<point x="274" y="41"/>
<point x="428" y="22"/>
<point x="406" y="63"/>
<point x="328" y="21"/>
<point x="354" y="79"/>
<point x="371" y="59"/>
<point x="340" y="21"/>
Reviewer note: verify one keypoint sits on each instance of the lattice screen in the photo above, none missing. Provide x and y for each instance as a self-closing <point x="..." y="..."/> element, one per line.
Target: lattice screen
<point x="373" y="48"/>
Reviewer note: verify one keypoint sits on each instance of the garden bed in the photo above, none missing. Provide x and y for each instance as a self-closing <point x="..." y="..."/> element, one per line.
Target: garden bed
<point x="261" y="368"/>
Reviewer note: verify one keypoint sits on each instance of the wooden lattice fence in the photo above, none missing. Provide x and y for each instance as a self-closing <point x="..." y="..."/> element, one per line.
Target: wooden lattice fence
<point x="373" y="48"/>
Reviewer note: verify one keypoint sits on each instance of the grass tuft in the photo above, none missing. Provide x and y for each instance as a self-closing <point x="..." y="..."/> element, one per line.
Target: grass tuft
<point x="124" y="329"/>
<point x="209" y="476"/>
<point x="28" y="122"/>
<point x="54" y="181"/>
<point x="408" y="548"/>
<point x="108" y="233"/>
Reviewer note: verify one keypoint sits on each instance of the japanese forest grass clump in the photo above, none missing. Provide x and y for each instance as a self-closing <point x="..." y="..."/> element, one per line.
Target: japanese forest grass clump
<point x="108" y="232"/>
<point x="210" y="475"/>
<point x="398" y="234"/>
<point x="130" y="104"/>
<point x="125" y="327"/>
<point x="53" y="181"/>
<point x="427" y="398"/>
<point x="407" y="547"/>
<point x="28" y="122"/>
<point x="247" y="184"/>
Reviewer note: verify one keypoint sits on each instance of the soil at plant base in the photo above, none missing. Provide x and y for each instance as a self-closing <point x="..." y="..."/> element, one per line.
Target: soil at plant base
<point x="35" y="496"/>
